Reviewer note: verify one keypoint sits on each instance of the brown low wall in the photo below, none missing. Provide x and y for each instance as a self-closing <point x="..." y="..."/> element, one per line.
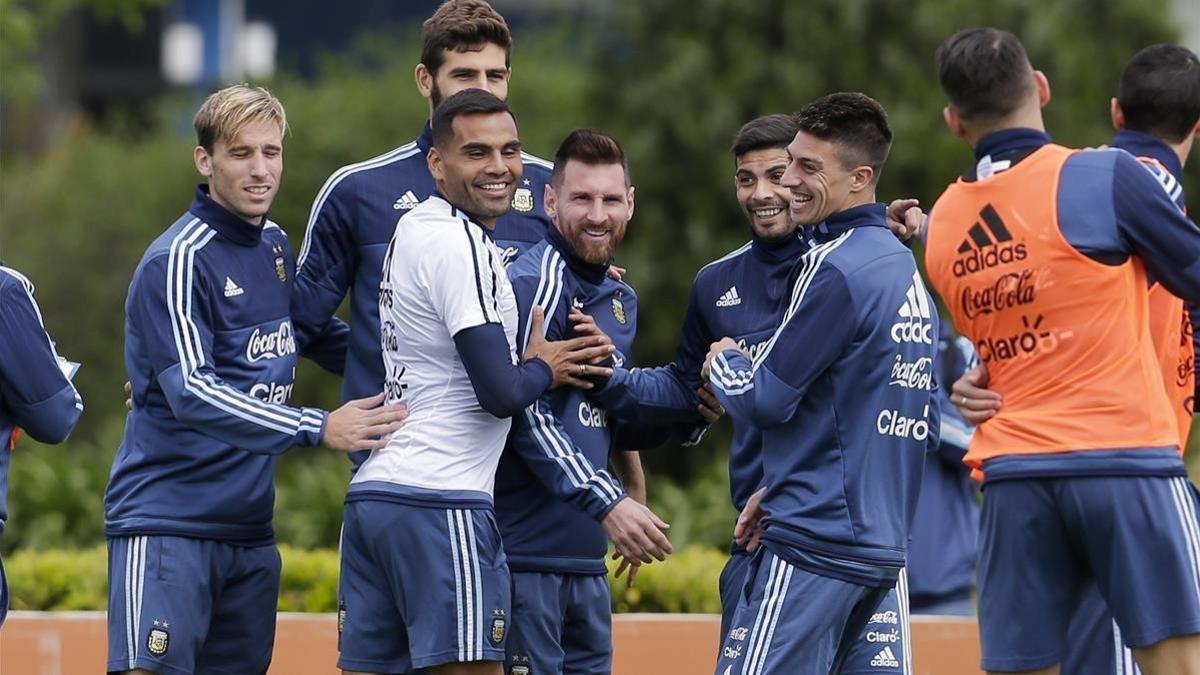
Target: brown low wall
<point x="73" y="643"/>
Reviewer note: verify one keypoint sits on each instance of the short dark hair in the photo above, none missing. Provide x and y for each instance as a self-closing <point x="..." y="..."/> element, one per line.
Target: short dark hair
<point x="462" y="26"/>
<point x="1160" y="92"/>
<point x="465" y="102"/>
<point x="762" y="133"/>
<point x="855" y="122"/>
<point x="589" y="146"/>
<point x="984" y="72"/>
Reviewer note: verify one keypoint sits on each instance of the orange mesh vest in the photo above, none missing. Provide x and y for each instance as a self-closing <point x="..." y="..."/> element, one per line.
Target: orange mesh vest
<point x="1065" y="339"/>
<point x="1171" y="333"/>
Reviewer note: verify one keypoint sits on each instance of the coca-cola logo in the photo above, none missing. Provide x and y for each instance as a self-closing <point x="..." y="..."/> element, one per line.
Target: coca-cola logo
<point x="1010" y="290"/>
<point x="913" y="374"/>
<point x="272" y="345"/>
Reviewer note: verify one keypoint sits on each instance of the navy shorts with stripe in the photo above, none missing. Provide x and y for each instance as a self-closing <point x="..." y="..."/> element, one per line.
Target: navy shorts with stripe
<point x="1095" y="644"/>
<point x="791" y="621"/>
<point x="1042" y="540"/>
<point x="561" y="623"/>
<point x="420" y="586"/>
<point x="180" y="605"/>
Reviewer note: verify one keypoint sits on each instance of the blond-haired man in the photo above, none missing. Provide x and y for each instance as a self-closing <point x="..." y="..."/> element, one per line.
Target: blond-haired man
<point x="211" y="355"/>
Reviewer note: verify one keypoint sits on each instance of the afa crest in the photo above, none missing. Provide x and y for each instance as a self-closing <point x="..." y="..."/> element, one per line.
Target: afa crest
<point x="158" y="642"/>
<point x="523" y="200"/>
<point x="618" y="308"/>
<point x="281" y="270"/>
<point x="498" y="626"/>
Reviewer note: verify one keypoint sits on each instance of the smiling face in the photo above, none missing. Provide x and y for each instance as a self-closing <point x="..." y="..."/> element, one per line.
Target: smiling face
<point x="591" y="206"/>
<point x="478" y="167"/>
<point x="762" y="197"/>
<point x="481" y="69"/>
<point x="244" y="172"/>
<point x="820" y="183"/>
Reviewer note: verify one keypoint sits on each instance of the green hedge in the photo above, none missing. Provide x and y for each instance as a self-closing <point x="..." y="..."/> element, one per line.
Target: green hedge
<point x="75" y="580"/>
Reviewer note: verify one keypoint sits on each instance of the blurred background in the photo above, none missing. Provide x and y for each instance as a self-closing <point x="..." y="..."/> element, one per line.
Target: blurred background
<point x="96" y="99"/>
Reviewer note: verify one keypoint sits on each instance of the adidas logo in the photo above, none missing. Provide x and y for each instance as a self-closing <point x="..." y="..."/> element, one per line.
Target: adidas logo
<point x="730" y="298"/>
<point x="885" y="658"/>
<point x="914" y="324"/>
<point x="406" y="202"/>
<point x="232" y="290"/>
<point x="988" y="244"/>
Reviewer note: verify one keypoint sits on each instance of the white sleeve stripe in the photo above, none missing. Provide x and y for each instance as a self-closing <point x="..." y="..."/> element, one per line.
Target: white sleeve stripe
<point x="550" y="283"/>
<point x="486" y="253"/>
<point x="37" y="311"/>
<point x="731" y="385"/>
<point x="180" y="267"/>
<point x="812" y="263"/>
<point x="574" y="465"/>
<point x="536" y="161"/>
<point x="402" y="152"/>
<point x="478" y="258"/>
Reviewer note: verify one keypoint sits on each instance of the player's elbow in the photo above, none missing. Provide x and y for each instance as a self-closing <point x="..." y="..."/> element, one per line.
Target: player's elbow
<point x="54" y="427"/>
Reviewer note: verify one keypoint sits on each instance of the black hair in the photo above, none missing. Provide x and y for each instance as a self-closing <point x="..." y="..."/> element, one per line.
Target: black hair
<point x="465" y="102"/>
<point x="855" y="122"/>
<point x="984" y="72"/>
<point x="1160" y="92"/>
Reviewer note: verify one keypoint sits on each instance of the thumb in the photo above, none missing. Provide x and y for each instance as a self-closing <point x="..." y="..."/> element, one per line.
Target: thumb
<point x="977" y="376"/>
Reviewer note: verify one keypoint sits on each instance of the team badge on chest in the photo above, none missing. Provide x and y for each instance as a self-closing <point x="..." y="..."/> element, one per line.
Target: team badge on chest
<point x="280" y="267"/>
<point x="523" y="199"/>
<point x="618" y="310"/>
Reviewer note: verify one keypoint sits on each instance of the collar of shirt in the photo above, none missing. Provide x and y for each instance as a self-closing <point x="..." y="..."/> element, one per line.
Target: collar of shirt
<point x="1141" y="144"/>
<point x="463" y="215"/>
<point x="224" y="221"/>
<point x="867" y="215"/>
<point x="1002" y="149"/>
<point x="779" y="250"/>
<point x="591" y="273"/>
<point x="425" y="140"/>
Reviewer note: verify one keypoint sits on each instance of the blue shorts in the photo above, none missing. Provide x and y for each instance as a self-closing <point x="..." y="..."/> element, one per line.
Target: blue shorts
<point x="792" y="621"/>
<point x="561" y="623"/>
<point x="179" y="605"/>
<point x="1095" y="645"/>
<point x="420" y="586"/>
<point x="1136" y="537"/>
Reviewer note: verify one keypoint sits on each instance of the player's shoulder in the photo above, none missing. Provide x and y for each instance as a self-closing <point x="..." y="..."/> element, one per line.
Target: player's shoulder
<point x="538" y="261"/>
<point x="434" y="227"/>
<point x="385" y="167"/>
<point x="14" y="284"/>
<point x="536" y="167"/>
<point x="720" y="266"/>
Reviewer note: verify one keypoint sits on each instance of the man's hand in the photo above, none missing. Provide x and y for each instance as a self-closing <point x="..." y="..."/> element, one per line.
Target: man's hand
<point x="585" y="325"/>
<point x="632" y="567"/>
<point x="636" y="532"/>
<point x="747" y="532"/>
<point x="363" y="424"/>
<point x="616" y="273"/>
<point x="710" y="408"/>
<point x="716" y="348"/>
<point x="905" y="218"/>
<point x="129" y="395"/>
<point x="569" y="360"/>
<point x="974" y="401"/>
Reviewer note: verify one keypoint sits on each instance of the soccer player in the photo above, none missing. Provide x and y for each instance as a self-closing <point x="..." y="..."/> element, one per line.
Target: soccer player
<point x="424" y="581"/>
<point x="36" y="393"/>
<point x="1045" y="253"/>
<point x="843" y="443"/>
<point x="193" y="569"/>
<point x="743" y="295"/>
<point x="556" y="503"/>
<point x="1156" y="113"/>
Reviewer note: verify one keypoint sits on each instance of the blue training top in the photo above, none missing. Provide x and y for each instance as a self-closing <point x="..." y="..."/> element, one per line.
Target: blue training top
<point x="846" y="408"/>
<point x="211" y="355"/>
<point x="34" y="393"/>
<point x="553" y="486"/>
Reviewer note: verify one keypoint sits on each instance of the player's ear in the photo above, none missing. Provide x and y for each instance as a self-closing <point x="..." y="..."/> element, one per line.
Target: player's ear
<point x="1042" y="83"/>
<point x="203" y="161"/>
<point x="434" y="161"/>
<point x="861" y="178"/>
<point x="630" y="200"/>
<point x="550" y="201"/>
<point x="954" y="122"/>
<point x="424" y="80"/>
<point x="1117" y="114"/>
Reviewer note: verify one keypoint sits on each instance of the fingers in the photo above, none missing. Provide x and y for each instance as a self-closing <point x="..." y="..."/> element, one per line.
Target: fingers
<point x="977" y="376"/>
<point x="536" y="320"/>
<point x="625" y="565"/>
<point x="590" y="354"/>
<point x="128" y="388"/>
<point x="617" y="273"/>
<point x="914" y="222"/>
<point x="754" y="541"/>
<point x="368" y="402"/>
<point x="633" y="571"/>
<point x="710" y="408"/>
<point x="576" y="344"/>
